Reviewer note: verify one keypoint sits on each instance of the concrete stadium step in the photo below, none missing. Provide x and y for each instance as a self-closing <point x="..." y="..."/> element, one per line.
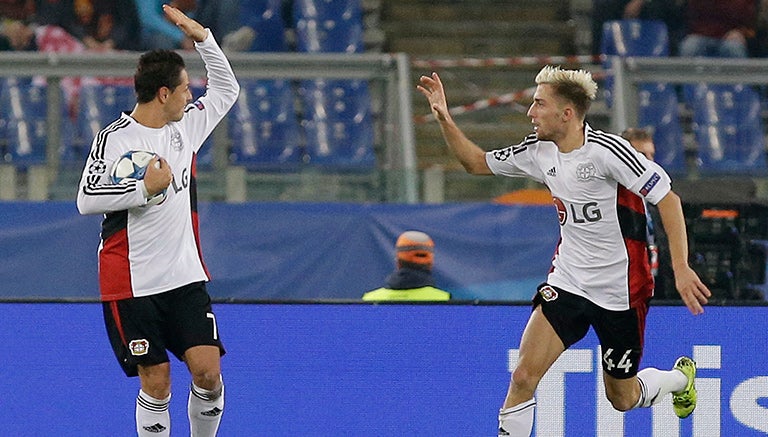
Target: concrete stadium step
<point x="500" y="10"/>
<point x="490" y="38"/>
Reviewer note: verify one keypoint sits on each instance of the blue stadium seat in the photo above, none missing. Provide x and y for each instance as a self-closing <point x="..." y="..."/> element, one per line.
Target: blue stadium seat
<point x="265" y="17"/>
<point x="648" y="38"/>
<point x="328" y="26"/>
<point x="728" y="129"/>
<point x="99" y="105"/>
<point x="338" y="123"/>
<point x="658" y="110"/>
<point x="23" y="109"/>
<point x="657" y="102"/>
<point x="263" y="125"/>
<point x="635" y="38"/>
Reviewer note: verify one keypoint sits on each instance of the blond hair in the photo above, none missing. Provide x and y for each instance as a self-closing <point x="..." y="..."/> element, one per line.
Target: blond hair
<point x="576" y="86"/>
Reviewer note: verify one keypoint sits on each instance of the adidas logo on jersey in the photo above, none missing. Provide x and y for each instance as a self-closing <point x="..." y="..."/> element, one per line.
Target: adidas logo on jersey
<point x="552" y="172"/>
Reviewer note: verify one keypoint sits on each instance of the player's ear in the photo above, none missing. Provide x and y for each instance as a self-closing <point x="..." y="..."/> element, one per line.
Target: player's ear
<point x="567" y="114"/>
<point x="162" y="93"/>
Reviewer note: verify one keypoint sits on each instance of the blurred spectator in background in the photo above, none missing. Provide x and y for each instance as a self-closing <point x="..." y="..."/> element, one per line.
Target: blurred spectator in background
<point x="717" y="28"/>
<point x="17" y="9"/>
<point x="658" y="248"/>
<point x="668" y="11"/>
<point x="224" y="17"/>
<point x="159" y="33"/>
<point x="108" y="24"/>
<point x="412" y="281"/>
<point x="641" y="140"/>
<point x="16" y="35"/>
<point x="60" y="13"/>
<point x="758" y="46"/>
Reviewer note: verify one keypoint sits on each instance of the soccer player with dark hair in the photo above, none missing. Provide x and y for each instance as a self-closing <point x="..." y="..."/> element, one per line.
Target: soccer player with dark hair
<point x="600" y="276"/>
<point x="151" y="272"/>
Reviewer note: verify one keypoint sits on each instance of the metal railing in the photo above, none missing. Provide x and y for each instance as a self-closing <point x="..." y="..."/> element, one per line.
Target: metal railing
<point x="389" y="75"/>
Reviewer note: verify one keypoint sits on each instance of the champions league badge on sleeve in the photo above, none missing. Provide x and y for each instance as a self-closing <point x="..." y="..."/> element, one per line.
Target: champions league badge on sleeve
<point x="655" y="178"/>
<point x="97" y="167"/>
<point x="502" y="154"/>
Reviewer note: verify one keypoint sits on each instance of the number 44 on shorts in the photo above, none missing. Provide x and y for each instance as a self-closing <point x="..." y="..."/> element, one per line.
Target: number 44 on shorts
<point x="624" y="363"/>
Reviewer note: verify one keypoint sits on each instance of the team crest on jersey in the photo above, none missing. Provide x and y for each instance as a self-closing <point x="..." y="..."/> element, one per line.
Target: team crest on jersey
<point x="502" y="154"/>
<point x="176" y="143"/>
<point x="548" y="293"/>
<point x="585" y="171"/>
<point x="139" y="347"/>
<point x="97" y="167"/>
<point x="199" y="105"/>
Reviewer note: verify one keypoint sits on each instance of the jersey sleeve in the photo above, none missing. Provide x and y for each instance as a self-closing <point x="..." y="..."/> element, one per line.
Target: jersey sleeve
<point x="637" y="173"/>
<point x="202" y="115"/>
<point x="97" y="194"/>
<point x="516" y="161"/>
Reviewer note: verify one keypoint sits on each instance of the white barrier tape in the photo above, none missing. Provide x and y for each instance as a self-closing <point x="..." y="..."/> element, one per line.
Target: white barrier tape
<point x="503" y="99"/>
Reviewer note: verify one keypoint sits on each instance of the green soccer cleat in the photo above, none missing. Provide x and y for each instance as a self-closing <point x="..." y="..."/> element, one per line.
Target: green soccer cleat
<point x="684" y="401"/>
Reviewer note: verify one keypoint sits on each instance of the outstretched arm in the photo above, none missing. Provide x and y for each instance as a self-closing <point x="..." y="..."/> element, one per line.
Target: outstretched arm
<point x="190" y="27"/>
<point x="468" y="153"/>
<point x="693" y="292"/>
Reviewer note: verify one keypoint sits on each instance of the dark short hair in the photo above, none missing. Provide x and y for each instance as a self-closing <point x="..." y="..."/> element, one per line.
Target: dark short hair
<point x="157" y="69"/>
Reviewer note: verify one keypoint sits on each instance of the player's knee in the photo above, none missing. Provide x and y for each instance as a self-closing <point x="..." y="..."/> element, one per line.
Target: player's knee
<point x="621" y="401"/>
<point x="156" y="380"/>
<point x="524" y="380"/>
<point x="207" y="379"/>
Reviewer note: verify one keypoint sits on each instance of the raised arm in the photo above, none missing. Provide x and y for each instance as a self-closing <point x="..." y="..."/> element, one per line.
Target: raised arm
<point x="194" y="30"/>
<point x="468" y="153"/>
<point x="693" y="292"/>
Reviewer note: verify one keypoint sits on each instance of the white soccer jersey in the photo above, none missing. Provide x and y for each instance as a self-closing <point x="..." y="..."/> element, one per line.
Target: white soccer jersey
<point x="598" y="191"/>
<point x="150" y="250"/>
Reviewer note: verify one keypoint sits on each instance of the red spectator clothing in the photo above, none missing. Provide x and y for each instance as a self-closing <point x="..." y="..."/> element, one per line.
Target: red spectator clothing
<point x="715" y="18"/>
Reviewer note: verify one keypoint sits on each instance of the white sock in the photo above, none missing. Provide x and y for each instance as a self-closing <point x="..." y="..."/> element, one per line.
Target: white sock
<point x="152" y="418"/>
<point x="655" y="384"/>
<point x="204" y="409"/>
<point x="517" y="421"/>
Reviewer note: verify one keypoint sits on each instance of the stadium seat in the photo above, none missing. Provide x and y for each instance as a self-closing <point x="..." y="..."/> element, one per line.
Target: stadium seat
<point x="648" y="38"/>
<point x="334" y="26"/>
<point x="337" y="122"/>
<point x="657" y="102"/>
<point x="728" y="129"/>
<point x="98" y="106"/>
<point x="658" y="110"/>
<point x="263" y="125"/>
<point x="23" y="109"/>
<point x="265" y="17"/>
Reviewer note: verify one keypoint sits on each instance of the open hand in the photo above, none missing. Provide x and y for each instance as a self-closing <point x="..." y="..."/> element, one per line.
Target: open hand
<point x="693" y="292"/>
<point x="190" y="27"/>
<point x="432" y="88"/>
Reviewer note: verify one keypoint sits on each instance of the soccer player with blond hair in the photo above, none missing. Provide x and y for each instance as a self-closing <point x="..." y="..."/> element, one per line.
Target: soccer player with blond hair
<point x="600" y="276"/>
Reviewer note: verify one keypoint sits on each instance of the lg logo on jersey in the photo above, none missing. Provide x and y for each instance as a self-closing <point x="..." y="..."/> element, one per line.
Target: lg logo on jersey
<point x="184" y="181"/>
<point x="586" y="213"/>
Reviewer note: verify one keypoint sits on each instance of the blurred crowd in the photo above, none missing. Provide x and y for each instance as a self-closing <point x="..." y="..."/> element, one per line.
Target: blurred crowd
<point x="104" y="25"/>
<point x="714" y="28"/>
